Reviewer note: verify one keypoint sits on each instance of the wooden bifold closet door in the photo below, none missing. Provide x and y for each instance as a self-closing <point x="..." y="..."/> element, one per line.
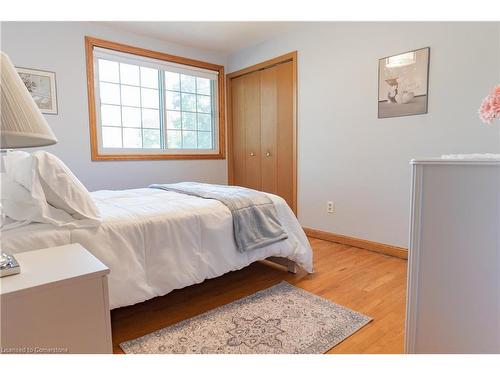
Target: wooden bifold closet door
<point x="262" y="136"/>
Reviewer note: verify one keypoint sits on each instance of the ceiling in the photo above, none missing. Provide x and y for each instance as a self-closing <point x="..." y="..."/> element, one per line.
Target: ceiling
<point x="225" y="37"/>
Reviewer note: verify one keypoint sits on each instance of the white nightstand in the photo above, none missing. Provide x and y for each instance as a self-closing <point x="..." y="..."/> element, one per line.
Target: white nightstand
<point x="57" y="304"/>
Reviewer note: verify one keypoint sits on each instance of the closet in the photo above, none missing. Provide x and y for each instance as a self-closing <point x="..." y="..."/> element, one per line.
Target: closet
<point x="262" y="129"/>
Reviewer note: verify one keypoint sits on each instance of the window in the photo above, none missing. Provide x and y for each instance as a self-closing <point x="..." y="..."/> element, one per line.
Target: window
<point x="149" y="105"/>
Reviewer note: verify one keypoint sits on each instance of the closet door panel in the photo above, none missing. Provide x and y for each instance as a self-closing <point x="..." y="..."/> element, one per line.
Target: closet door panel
<point x="285" y="136"/>
<point x="238" y="122"/>
<point x="269" y="116"/>
<point x="252" y="131"/>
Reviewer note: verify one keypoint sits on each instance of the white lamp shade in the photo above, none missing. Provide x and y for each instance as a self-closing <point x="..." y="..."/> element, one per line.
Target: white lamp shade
<point x="22" y="123"/>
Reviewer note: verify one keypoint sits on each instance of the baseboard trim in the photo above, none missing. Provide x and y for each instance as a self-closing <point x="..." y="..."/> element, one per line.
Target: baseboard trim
<point x="394" y="251"/>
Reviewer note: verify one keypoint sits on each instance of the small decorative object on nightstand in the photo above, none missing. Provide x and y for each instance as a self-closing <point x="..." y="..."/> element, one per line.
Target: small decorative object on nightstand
<point x="8" y="265"/>
<point x="58" y="304"/>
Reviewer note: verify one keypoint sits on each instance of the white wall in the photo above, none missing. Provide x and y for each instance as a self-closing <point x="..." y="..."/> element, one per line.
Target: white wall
<point x="346" y="154"/>
<point x="59" y="47"/>
<point x="360" y="162"/>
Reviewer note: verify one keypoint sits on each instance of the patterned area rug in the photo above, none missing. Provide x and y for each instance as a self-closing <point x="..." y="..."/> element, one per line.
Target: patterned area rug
<point x="278" y="320"/>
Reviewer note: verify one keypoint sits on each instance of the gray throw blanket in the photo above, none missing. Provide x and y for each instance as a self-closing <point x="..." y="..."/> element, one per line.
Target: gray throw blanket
<point x="255" y="220"/>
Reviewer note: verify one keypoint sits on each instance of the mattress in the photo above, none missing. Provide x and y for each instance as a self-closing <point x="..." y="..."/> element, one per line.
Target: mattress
<point x="155" y="241"/>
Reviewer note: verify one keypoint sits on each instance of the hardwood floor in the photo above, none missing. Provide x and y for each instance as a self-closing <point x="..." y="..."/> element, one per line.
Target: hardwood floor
<point x="371" y="283"/>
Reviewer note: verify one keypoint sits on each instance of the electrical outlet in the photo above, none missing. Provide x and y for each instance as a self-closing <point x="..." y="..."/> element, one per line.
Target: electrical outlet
<point x="330" y="207"/>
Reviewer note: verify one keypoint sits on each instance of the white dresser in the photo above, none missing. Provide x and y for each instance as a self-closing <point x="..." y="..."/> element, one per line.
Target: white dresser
<point x="453" y="301"/>
<point x="57" y="304"/>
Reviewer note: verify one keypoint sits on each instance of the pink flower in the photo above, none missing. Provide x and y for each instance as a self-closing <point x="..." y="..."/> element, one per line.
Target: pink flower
<point x="495" y="103"/>
<point x="490" y="107"/>
<point x="496" y="90"/>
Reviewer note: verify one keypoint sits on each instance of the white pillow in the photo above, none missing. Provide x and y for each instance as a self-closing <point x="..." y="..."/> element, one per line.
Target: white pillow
<point x="62" y="189"/>
<point x="48" y="179"/>
<point x="19" y="204"/>
<point x="19" y="167"/>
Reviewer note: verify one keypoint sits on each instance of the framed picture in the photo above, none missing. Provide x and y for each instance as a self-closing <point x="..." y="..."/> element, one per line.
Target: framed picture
<point x="42" y="87"/>
<point x="403" y="82"/>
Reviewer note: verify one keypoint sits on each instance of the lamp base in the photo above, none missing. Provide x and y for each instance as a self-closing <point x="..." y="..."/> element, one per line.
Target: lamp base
<point x="8" y="265"/>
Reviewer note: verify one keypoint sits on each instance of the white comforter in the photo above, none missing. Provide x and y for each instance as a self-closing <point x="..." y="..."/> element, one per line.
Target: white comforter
<point x="155" y="241"/>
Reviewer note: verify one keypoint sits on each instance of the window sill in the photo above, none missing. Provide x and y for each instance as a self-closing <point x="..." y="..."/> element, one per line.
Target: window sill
<point x="104" y="157"/>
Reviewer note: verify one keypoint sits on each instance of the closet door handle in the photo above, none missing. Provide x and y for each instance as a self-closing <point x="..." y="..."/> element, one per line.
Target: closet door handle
<point x="252" y="154"/>
<point x="268" y="154"/>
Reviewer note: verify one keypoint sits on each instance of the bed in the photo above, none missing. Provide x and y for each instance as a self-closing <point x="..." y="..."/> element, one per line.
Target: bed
<point x="155" y="241"/>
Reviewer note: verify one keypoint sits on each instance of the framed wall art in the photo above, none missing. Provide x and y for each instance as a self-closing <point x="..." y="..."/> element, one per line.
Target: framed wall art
<point x="42" y="87"/>
<point x="403" y="84"/>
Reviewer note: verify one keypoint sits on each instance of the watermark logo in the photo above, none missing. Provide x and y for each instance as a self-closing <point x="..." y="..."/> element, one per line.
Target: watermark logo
<point x="33" y="350"/>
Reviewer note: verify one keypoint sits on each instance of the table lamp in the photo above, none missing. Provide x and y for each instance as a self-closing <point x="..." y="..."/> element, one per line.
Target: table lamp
<point x="22" y="125"/>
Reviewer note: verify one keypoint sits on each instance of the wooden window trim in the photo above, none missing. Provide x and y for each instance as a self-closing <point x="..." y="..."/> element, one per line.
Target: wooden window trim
<point x="90" y="43"/>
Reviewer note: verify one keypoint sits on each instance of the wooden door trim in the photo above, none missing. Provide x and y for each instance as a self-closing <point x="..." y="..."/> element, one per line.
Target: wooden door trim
<point x="292" y="56"/>
<point x="289" y="57"/>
